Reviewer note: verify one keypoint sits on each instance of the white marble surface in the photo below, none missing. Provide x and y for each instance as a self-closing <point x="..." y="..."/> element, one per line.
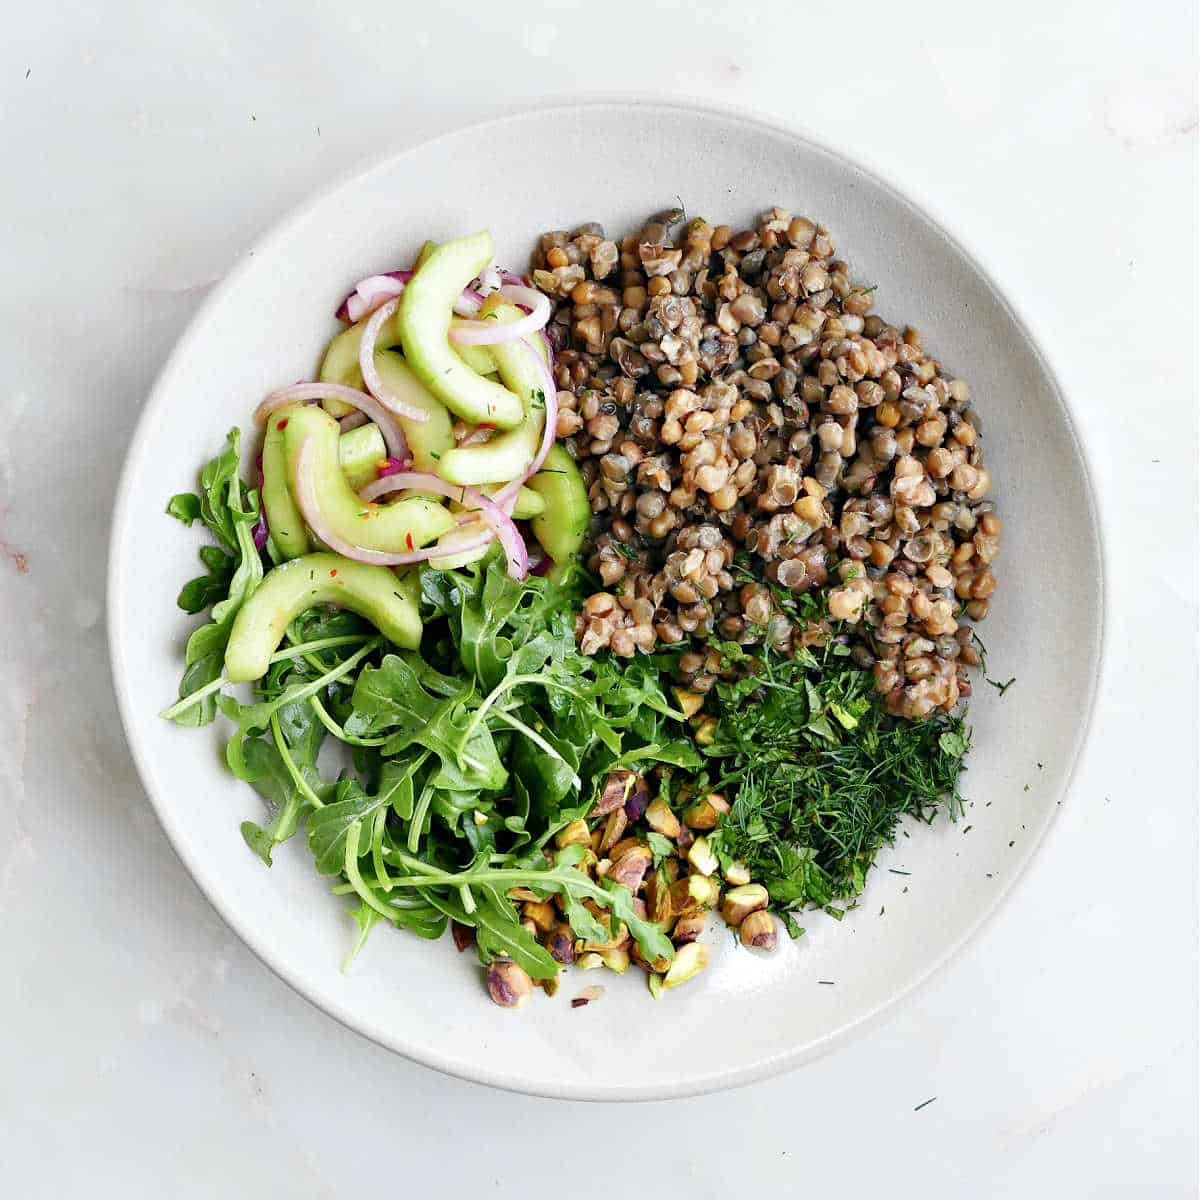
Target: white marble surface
<point x="141" y="1046"/>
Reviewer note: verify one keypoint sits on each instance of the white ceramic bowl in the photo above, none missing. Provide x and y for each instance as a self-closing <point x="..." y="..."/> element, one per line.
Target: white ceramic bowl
<point x="616" y="162"/>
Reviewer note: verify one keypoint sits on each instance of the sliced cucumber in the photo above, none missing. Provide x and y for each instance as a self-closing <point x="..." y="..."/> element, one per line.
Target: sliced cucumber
<point x="340" y="364"/>
<point x="425" y="311"/>
<point x="478" y="358"/>
<point x="562" y="527"/>
<point x="288" y="531"/>
<point x="464" y="533"/>
<point x="508" y="455"/>
<point x="427" y="440"/>
<point x="529" y="505"/>
<point x="360" y="451"/>
<point x="375" y="593"/>
<point x="391" y="528"/>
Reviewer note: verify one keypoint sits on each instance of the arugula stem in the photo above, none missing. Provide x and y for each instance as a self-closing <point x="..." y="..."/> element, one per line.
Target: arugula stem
<point x="194" y="698"/>
<point x="302" y="784"/>
<point x="382" y="875"/>
<point x="506" y="685"/>
<point x="339" y="731"/>
<point x="350" y="867"/>
<point x="420" y="809"/>
<point x="294" y="695"/>
<point x="538" y="740"/>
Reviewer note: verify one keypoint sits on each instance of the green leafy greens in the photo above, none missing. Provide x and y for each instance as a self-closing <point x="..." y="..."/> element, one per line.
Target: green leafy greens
<point x="823" y="775"/>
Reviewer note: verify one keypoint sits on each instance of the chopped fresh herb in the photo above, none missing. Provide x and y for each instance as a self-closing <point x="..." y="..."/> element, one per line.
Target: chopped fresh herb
<point x="1002" y="687"/>
<point x="821" y="775"/>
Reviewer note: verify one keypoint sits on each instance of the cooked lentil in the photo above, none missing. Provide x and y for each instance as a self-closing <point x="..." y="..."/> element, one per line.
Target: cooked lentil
<point x="739" y="410"/>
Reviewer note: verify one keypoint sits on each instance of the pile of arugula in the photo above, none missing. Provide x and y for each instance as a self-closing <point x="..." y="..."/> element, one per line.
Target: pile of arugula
<point x="463" y="761"/>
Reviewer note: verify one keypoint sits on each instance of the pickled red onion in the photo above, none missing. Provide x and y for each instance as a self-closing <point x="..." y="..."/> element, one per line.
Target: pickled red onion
<point x="298" y="393"/>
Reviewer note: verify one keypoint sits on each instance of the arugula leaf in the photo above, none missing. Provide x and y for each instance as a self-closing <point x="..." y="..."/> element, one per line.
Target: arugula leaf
<point x="185" y="507"/>
<point x="230" y="511"/>
<point x="283" y="770"/>
<point x="649" y="935"/>
<point x="499" y="934"/>
<point x="660" y="847"/>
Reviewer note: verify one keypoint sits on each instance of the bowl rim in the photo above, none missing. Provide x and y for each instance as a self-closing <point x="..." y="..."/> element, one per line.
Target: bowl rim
<point x="762" y="1068"/>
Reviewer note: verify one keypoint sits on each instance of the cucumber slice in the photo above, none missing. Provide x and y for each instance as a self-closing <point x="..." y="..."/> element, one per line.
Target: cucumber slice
<point x="288" y="531"/>
<point x="360" y="451"/>
<point x="392" y="528"/>
<point x="340" y="364"/>
<point x="427" y="440"/>
<point x="561" y="528"/>
<point x="478" y="358"/>
<point x="508" y="455"/>
<point x="375" y="593"/>
<point x="529" y="504"/>
<point x="425" y="311"/>
<point x="451" y="561"/>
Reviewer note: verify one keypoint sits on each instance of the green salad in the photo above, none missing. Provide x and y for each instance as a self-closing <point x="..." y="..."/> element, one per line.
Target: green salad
<point x="405" y="590"/>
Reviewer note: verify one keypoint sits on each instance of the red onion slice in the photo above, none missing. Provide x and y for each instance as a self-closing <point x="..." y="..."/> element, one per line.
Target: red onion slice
<point x="508" y="493"/>
<point x="371" y="377"/>
<point x="468" y="304"/>
<point x="393" y="435"/>
<point x="355" y="420"/>
<point x="494" y="516"/>
<point x="369" y="293"/>
<point x="492" y="333"/>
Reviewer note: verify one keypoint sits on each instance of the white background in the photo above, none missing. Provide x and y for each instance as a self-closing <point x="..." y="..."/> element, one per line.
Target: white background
<point x="144" y="146"/>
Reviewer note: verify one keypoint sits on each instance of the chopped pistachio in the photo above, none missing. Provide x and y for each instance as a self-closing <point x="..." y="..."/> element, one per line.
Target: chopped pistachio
<point x="690" y="702"/>
<point x="701" y="857"/>
<point x="706" y="733"/>
<point x="616" y="791"/>
<point x="689" y="961"/>
<point x="689" y="927"/>
<point x="655" y="984"/>
<point x="589" y="962"/>
<point x="614" y="829"/>
<point x="661" y="819"/>
<point x="705" y="813"/>
<point x="542" y="913"/>
<point x="703" y="891"/>
<point x="758" y="931"/>
<point x="616" y="959"/>
<point x="574" y="834"/>
<point x="561" y="944"/>
<point x="740" y="902"/>
<point x="737" y="874"/>
<point x="508" y="984"/>
<point x="630" y="867"/>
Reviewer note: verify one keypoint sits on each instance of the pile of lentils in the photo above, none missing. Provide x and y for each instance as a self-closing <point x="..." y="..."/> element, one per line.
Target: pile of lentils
<point x="742" y="419"/>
